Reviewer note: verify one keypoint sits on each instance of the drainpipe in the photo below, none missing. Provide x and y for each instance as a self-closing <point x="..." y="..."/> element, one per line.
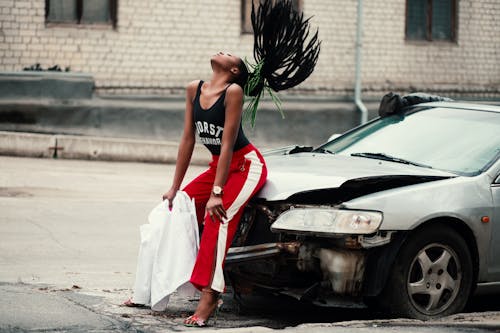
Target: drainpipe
<point x="357" y="88"/>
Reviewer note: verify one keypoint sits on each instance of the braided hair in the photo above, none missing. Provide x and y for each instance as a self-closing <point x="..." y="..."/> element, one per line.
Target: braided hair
<point x="284" y="54"/>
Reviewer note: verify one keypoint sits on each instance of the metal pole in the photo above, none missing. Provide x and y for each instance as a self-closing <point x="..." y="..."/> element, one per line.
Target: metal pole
<point x="357" y="88"/>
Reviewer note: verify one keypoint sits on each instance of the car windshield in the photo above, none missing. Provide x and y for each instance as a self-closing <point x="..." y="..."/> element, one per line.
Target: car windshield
<point x="464" y="142"/>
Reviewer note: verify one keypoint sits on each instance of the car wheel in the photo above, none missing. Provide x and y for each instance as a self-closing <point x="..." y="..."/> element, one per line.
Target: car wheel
<point x="432" y="275"/>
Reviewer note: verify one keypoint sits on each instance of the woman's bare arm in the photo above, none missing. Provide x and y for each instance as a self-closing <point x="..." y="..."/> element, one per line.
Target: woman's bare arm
<point x="186" y="144"/>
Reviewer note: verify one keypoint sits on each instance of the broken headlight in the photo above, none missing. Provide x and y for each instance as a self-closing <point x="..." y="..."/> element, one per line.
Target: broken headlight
<point x="327" y="221"/>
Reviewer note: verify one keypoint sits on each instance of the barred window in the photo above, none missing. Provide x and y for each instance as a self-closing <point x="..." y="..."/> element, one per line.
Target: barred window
<point x="81" y="11"/>
<point x="431" y="20"/>
<point x="246" y="13"/>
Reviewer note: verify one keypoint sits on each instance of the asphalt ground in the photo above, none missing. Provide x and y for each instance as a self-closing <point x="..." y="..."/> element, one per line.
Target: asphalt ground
<point x="69" y="238"/>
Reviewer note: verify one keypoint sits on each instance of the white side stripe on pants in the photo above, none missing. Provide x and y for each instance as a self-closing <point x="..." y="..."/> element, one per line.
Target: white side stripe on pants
<point x="253" y="177"/>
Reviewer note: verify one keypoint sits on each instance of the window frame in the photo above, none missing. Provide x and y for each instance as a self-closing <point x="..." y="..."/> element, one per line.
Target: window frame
<point x="113" y="16"/>
<point x="428" y="25"/>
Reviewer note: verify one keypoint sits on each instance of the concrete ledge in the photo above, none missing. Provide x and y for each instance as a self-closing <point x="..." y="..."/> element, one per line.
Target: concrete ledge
<point x="308" y="123"/>
<point x="26" y="144"/>
<point x="94" y="148"/>
<point x="36" y="85"/>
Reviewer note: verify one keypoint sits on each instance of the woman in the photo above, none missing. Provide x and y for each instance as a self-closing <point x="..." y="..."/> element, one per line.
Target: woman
<point x="237" y="171"/>
<point x="285" y="55"/>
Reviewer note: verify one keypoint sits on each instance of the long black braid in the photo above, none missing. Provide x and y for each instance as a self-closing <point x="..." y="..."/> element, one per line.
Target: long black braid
<point x="284" y="54"/>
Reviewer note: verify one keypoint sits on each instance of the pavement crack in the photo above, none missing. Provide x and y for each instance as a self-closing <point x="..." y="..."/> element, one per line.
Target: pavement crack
<point x="115" y="323"/>
<point x="51" y="236"/>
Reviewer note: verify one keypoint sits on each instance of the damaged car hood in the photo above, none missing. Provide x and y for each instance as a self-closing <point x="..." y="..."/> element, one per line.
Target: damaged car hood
<point x="291" y="174"/>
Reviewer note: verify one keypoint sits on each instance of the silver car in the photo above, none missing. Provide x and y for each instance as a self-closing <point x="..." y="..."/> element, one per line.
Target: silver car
<point x="402" y="213"/>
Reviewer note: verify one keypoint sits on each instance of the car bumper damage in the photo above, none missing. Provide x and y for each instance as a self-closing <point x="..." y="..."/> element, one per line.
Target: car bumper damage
<point x="328" y="271"/>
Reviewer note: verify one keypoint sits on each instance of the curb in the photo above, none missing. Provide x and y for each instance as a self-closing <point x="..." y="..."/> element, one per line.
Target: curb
<point x="94" y="148"/>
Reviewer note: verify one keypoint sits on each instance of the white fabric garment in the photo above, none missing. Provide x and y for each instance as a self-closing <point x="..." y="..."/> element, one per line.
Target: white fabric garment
<point x="169" y="245"/>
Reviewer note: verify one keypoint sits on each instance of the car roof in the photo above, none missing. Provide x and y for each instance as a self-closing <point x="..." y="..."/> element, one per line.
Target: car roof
<point x="462" y="105"/>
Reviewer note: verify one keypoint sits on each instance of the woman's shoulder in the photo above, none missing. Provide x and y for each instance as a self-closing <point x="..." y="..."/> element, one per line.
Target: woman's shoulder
<point x="192" y="87"/>
<point x="234" y="90"/>
<point x="193" y="84"/>
<point x="234" y="96"/>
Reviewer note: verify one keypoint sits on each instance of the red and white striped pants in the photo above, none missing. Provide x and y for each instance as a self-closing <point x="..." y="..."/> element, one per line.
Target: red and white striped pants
<point x="247" y="174"/>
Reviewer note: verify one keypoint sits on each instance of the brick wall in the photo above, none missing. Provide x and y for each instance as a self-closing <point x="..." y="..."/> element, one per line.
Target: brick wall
<point x="159" y="46"/>
<point x="472" y="64"/>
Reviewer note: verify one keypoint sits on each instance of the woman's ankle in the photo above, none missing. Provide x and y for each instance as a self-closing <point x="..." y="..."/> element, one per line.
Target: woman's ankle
<point x="208" y="304"/>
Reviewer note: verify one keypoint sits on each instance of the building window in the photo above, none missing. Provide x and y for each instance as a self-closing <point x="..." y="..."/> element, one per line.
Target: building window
<point x="431" y="20"/>
<point x="81" y="11"/>
<point x="246" y="13"/>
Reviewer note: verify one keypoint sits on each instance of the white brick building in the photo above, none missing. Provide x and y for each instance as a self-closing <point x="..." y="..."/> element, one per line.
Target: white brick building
<point x="157" y="46"/>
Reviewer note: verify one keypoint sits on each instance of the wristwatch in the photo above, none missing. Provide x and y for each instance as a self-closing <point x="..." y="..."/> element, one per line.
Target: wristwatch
<point x="217" y="191"/>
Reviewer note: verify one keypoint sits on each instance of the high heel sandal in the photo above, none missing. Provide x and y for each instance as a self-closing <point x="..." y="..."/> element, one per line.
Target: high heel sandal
<point x="217" y="309"/>
<point x="129" y="303"/>
<point x="195" y="321"/>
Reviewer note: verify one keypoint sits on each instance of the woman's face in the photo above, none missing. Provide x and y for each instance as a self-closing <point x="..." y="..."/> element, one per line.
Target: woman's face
<point x="225" y="60"/>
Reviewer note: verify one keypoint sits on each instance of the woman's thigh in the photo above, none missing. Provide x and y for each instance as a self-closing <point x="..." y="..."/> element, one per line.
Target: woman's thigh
<point x="242" y="184"/>
<point x="200" y="189"/>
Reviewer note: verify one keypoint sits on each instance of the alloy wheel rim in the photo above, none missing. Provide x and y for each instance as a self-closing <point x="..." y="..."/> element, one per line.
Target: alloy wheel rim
<point x="434" y="279"/>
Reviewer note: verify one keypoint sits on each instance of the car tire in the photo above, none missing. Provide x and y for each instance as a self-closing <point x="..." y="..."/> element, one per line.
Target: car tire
<point x="432" y="275"/>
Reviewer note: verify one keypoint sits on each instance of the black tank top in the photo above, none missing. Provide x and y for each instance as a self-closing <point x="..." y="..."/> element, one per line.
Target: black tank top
<point x="209" y="123"/>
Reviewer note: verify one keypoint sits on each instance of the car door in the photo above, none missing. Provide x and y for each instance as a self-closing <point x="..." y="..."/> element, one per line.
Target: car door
<point x="495" y="237"/>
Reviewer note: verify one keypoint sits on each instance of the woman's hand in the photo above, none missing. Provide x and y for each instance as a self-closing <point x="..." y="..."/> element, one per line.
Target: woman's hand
<point x="215" y="208"/>
<point x="170" y="195"/>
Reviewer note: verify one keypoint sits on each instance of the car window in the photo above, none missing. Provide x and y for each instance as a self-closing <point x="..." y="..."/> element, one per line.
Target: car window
<point x="465" y="142"/>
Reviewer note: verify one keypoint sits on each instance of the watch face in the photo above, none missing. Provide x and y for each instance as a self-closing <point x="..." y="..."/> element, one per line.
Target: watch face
<point x="217" y="190"/>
